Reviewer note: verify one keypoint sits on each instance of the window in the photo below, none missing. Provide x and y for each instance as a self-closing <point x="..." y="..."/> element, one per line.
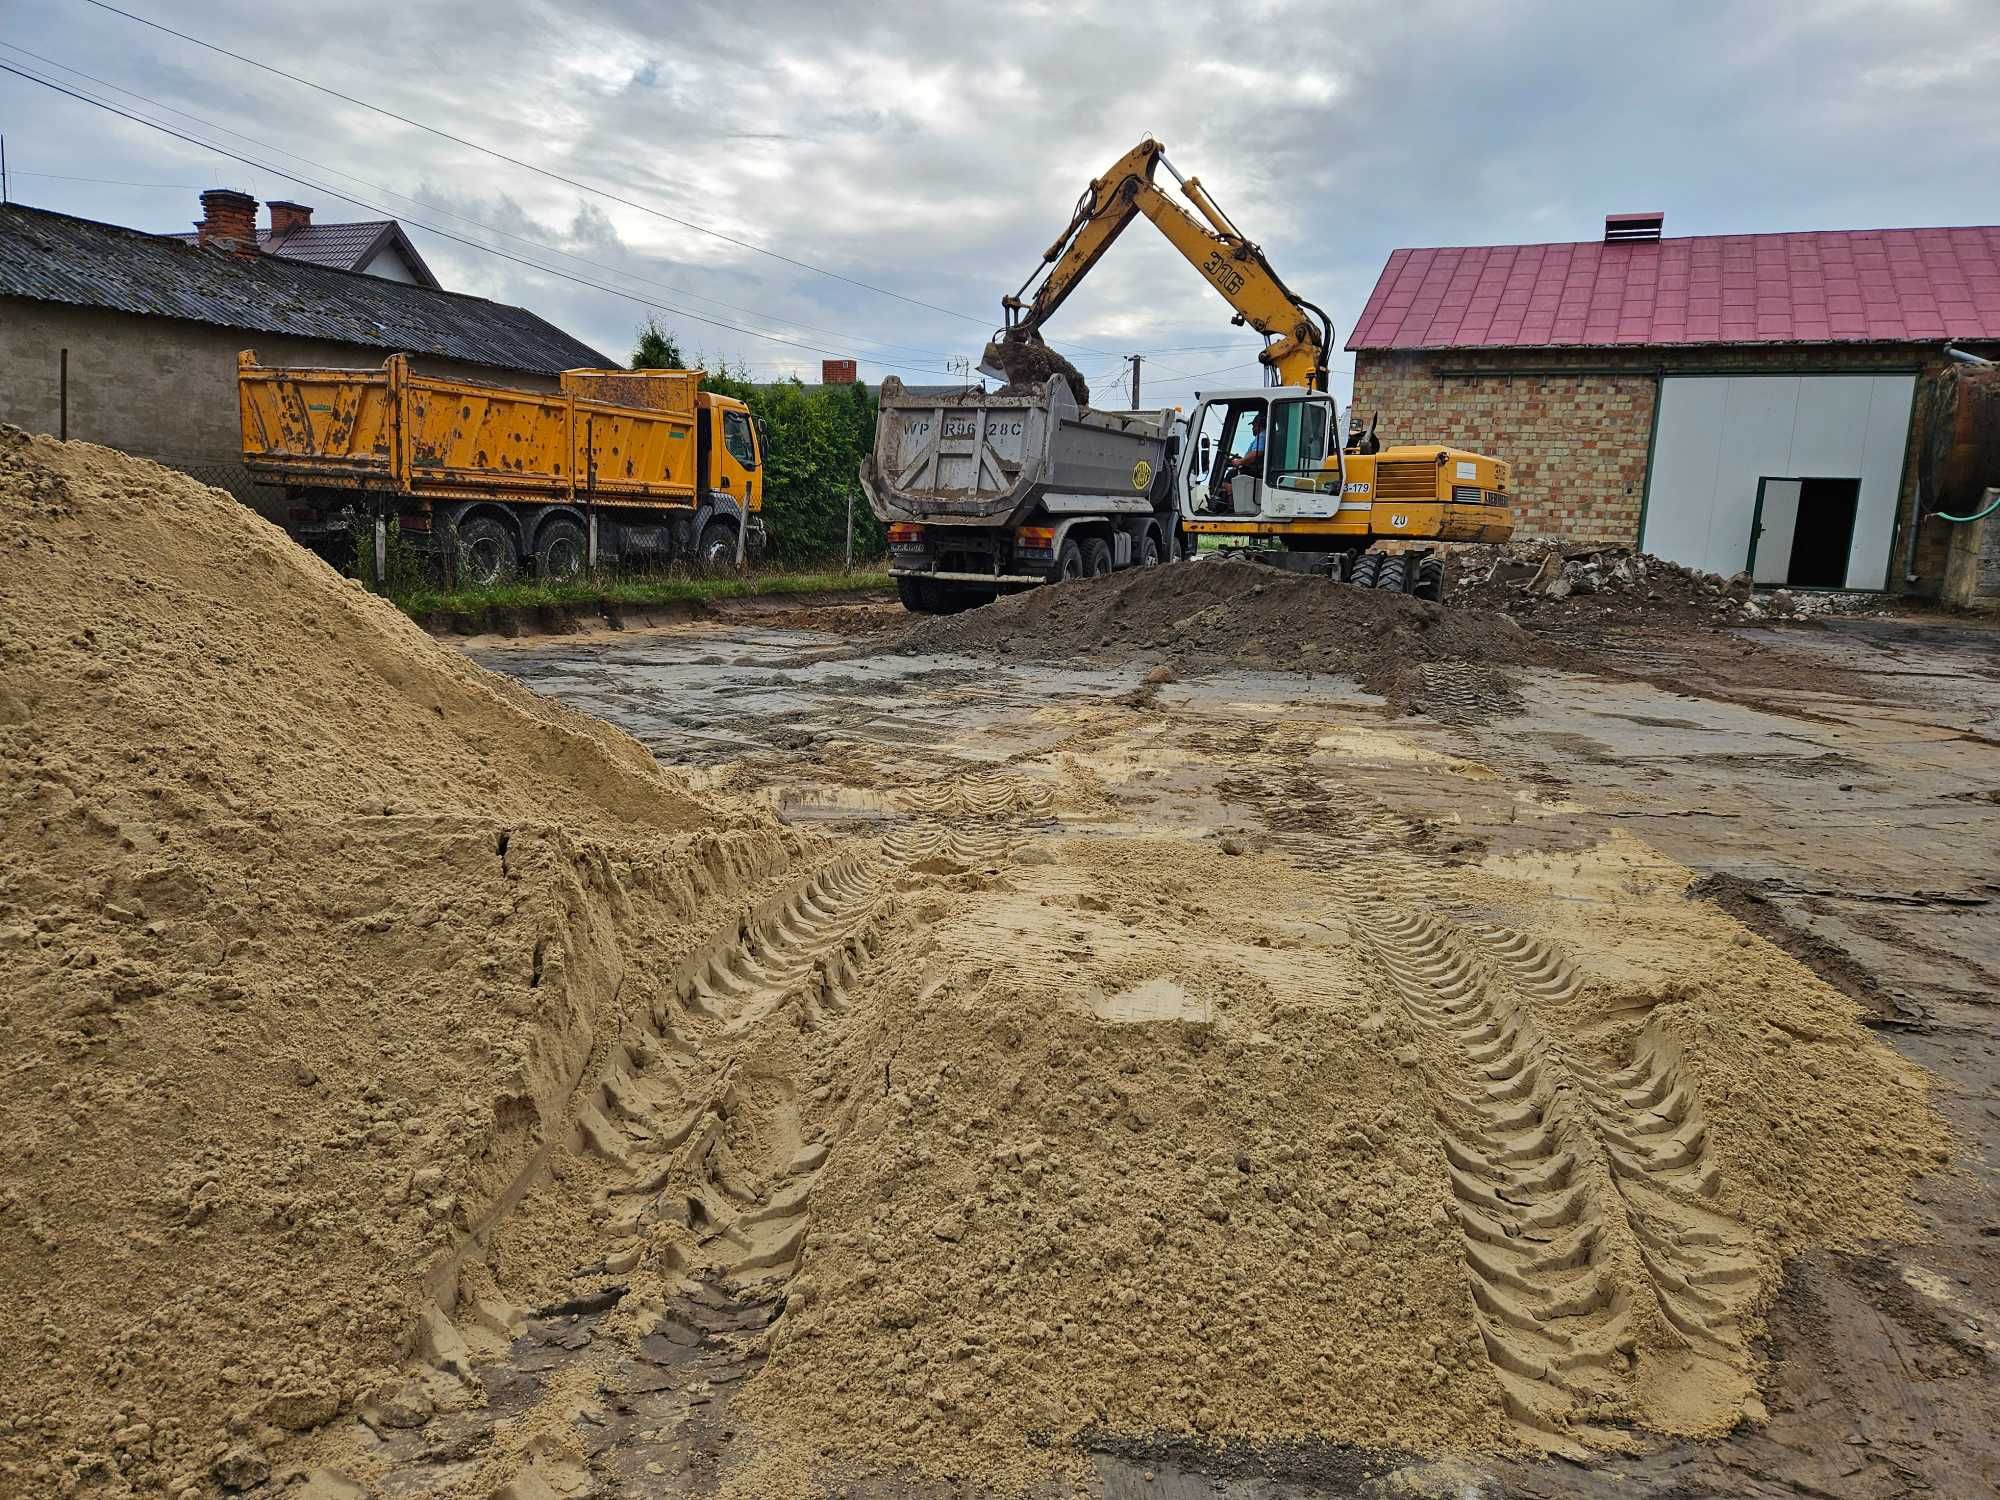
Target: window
<point x="736" y="438"/>
<point x="1298" y="443"/>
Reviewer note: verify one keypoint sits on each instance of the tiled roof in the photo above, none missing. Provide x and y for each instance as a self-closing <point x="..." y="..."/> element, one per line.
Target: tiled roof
<point x="345" y="247"/>
<point x="1842" y="286"/>
<point x="51" y="257"/>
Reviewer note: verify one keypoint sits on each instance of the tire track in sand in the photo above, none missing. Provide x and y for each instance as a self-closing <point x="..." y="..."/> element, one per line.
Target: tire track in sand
<point x="1583" y="1195"/>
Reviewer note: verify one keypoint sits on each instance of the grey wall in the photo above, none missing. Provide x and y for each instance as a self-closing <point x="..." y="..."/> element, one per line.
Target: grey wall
<point x="164" y="389"/>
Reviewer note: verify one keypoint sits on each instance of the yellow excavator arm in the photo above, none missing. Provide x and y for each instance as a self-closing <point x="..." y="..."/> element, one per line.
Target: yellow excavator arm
<point x="1298" y="333"/>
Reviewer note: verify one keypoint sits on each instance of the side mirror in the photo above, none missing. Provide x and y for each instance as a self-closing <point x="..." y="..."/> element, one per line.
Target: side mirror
<point x="1206" y="450"/>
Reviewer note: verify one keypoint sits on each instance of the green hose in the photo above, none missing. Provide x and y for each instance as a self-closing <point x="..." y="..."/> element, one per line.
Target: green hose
<point x="1979" y="515"/>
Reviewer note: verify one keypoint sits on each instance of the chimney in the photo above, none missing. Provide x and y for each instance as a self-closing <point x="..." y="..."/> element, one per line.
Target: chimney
<point x="285" y="217"/>
<point x="837" y="372"/>
<point x="1625" y="229"/>
<point x="228" y="221"/>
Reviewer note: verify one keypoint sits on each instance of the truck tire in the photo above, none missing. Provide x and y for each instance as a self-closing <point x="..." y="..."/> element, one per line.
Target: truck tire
<point x="487" y="552"/>
<point x="1069" y="562"/>
<point x="717" y="547"/>
<point x="917" y="595"/>
<point x="560" y="551"/>
<point x="1096" y="557"/>
<point x="1393" y="577"/>
<point x="1149" y="551"/>
<point x="1362" y="574"/>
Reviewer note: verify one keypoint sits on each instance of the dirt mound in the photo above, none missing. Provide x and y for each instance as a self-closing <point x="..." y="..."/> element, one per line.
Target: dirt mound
<point x="1207" y="616"/>
<point x="307" y="927"/>
<point x="1028" y="363"/>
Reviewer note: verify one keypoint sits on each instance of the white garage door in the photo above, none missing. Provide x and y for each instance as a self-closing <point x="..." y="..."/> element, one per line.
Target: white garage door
<point x="1723" y="440"/>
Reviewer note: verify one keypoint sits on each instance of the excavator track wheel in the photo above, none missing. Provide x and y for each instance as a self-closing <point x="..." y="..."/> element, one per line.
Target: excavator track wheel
<point x="1430" y="580"/>
<point x="1365" y="566"/>
<point x="1393" y="577"/>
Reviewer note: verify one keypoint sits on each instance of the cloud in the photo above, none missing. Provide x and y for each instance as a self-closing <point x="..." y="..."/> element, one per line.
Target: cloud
<point x="936" y="150"/>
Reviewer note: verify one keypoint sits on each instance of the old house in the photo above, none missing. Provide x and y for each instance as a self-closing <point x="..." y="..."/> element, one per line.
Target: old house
<point x="1725" y="401"/>
<point x="374" y="247"/>
<point x="130" y="339"/>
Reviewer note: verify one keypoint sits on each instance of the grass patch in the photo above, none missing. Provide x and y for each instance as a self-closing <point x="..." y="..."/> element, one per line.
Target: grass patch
<point x="634" y="592"/>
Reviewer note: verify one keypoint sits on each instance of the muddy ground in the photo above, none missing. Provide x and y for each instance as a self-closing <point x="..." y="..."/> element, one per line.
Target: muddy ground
<point x="1832" y="788"/>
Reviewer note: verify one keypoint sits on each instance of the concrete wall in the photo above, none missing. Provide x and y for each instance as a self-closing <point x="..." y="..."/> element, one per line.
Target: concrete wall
<point x="1576" y="424"/>
<point x="165" y="389"/>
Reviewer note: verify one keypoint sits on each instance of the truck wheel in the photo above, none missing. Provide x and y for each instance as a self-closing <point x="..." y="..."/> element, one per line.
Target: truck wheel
<point x="1362" y="574"/>
<point x="1069" y="562"/>
<point x="487" y="554"/>
<point x="917" y="596"/>
<point x="559" y="551"/>
<point x="717" y="547"/>
<point x="1149" y="551"/>
<point x="1393" y="577"/>
<point x="1096" y="557"/>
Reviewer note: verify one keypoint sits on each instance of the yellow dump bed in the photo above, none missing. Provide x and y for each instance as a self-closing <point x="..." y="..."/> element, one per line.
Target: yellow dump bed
<point x="624" y="434"/>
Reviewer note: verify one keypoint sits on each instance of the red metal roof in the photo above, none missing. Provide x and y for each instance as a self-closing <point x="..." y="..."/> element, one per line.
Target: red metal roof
<point x="1840" y="286"/>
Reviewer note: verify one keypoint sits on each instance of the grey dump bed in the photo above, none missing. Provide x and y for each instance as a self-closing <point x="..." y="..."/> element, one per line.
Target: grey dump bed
<point x="989" y="460"/>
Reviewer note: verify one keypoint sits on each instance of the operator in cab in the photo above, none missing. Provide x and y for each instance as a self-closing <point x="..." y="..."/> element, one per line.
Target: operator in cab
<point x="1251" y="459"/>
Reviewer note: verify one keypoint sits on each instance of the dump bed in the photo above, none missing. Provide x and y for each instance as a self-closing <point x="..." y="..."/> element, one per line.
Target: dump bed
<point x="390" y="430"/>
<point x="973" y="459"/>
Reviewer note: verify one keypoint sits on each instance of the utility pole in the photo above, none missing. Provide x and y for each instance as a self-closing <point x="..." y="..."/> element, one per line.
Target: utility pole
<point x="1135" y="358"/>
<point x="3" y="171"/>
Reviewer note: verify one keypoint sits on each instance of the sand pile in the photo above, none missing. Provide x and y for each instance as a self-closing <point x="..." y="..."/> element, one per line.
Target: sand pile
<point x="1209" y="616"/>
<point x="1213" y="1155"/>
<point x="307" y="928"/>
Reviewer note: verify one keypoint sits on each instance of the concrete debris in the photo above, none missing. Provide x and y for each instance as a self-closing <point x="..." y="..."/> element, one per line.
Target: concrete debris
<point x="1523" y="578"/>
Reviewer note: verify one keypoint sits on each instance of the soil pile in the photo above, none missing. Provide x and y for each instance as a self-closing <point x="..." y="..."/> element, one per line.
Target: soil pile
<point x="1028" y="363"/>
<point x="307" y="927"/>
<point x="1208" y="616"/>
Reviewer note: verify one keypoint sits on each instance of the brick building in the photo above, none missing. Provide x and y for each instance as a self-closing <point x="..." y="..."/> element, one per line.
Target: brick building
<point x="1726" y="401"/>
<point x="130" y="339"/>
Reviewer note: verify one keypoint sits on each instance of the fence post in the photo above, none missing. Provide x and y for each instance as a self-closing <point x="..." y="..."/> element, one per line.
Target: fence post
<point x="850" y="531"/>
<point x="742" y="530"/>
<point x="381" y="553"/>
<point x="62" y="401"/>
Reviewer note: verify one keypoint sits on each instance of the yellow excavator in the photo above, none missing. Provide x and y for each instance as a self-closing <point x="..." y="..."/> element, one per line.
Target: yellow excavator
<point x="1268" y="462"/>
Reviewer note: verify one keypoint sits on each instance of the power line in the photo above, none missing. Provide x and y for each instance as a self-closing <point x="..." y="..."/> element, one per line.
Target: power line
<point x="529" y="166"/>
<point x="179" y="187"/>
<point x="322" y="187"/>
<point x="461" y="218"/>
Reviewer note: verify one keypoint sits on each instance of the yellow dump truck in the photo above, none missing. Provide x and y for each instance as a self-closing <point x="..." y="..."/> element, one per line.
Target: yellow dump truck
<point x="617" y="465"/>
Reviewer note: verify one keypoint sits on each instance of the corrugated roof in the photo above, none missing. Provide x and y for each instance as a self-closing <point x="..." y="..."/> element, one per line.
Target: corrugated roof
<point x="52" y="257"/>
<point x="1842" y="286"/>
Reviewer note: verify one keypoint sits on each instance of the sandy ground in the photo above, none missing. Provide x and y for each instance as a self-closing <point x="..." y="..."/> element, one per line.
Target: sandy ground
<point x="1641" y="952"/>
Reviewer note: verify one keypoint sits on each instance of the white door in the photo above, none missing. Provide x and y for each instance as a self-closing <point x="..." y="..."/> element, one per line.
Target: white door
<point x="1776" y="524"/>
<point x="1718" y="436"/>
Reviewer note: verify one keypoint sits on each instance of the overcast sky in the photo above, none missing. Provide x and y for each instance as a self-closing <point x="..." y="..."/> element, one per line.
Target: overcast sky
<point x="935" y="150"/>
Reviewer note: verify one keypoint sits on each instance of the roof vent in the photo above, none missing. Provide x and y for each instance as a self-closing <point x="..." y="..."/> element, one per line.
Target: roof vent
<point x="1621" y="229"/>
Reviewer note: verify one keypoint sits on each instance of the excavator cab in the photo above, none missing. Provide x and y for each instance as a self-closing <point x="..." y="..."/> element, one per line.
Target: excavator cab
<point x="1296" y="476"/>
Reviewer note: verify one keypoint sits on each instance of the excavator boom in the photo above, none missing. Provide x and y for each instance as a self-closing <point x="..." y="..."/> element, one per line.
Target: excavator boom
<point x="1298" y="333"/>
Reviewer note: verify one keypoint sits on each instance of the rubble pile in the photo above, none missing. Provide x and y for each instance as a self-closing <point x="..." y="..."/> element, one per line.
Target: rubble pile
<point x="1552" y="583"/>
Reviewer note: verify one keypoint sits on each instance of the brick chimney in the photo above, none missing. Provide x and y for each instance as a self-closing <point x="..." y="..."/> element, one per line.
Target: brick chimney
<point x="285" y="217"/>
<point x="228" y="221"/>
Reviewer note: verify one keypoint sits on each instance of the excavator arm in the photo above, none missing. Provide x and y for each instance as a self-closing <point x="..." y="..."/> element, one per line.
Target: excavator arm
<point x="1299" y="334"/>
